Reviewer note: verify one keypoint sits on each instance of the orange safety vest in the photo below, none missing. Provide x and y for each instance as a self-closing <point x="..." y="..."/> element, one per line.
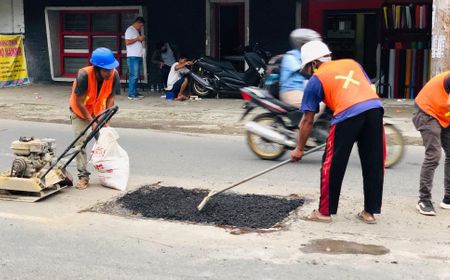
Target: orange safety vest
<point x="344" y="84"/>
<point x="432" y="99"/>
<point x="95" y="103"/>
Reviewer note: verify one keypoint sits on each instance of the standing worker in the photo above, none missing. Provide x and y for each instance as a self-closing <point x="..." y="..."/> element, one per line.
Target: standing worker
<point x="134" y="42"/>
<point x="93" y="91"/>
<point x="357" y="117"/>
<point x="433" y="121"/>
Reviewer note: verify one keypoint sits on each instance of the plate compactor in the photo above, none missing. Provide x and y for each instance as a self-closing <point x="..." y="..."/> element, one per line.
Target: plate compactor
<point x="36" y="172"/>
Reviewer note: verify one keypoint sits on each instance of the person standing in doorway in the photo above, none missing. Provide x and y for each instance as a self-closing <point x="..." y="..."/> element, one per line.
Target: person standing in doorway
<point x="433" y="122"/>
<point x="134" y="42"/>
<point x="164" y="56"/>
<point x="93" y="91"/>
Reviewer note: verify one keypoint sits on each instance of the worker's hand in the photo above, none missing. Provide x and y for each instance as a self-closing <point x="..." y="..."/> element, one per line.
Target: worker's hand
<point x="141" y="38"/>
<point x="297" y="154"/>
<point x="161" y="65"/>
<point x="189" y="63"/>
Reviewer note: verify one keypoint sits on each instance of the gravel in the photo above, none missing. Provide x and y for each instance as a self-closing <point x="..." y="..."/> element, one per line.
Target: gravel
<point x="228" y="209"/>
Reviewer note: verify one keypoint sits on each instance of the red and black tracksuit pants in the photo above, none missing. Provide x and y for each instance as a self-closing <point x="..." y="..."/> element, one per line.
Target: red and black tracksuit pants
<point x="366" y="129"/>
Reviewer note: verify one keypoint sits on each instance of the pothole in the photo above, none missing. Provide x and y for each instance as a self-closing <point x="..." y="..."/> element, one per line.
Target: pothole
<point x="336" y="247"/>
<point x="177" y="204"/>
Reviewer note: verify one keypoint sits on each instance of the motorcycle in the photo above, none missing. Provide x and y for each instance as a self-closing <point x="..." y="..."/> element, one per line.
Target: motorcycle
<point x="270" y="134"/>
<point x="213" y="76"/>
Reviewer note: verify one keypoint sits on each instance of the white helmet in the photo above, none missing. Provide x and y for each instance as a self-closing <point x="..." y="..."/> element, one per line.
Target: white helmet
<point x="300" y="36"/>
<point x="313" y="51"/>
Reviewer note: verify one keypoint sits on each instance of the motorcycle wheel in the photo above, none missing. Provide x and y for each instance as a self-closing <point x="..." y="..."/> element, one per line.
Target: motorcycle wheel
<point x="394" y="145"/>
<point x="263" y="148"/>
<point x="199" y="90"/>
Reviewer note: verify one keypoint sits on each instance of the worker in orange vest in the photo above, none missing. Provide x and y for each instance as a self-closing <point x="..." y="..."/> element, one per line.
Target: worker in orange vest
<point x="433" y="122"/>
<point x="93" y="91"/>
<point x="357" y="118"/>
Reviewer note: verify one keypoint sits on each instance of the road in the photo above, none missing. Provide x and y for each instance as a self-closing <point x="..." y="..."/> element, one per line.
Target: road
<point x="53" y="239"/>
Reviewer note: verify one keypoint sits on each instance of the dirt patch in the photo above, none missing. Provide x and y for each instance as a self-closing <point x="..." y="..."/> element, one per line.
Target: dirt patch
<point x="230" y="209"/>
<point x="336" y="247"/>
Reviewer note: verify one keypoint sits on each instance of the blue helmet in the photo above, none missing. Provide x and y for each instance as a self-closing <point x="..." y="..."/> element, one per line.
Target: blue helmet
<point x="104" y="58"/>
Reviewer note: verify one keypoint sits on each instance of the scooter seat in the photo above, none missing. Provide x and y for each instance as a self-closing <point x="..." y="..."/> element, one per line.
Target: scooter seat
<point x="210" y="66"/>
<point x="284" y="105"/>
<point x="263" y="93"/>
<point x="219" y="63"/>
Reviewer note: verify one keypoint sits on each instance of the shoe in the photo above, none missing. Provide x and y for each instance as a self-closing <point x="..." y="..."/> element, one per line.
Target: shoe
<point x="82" y="184"/>
<point x="445" y="204"/>
<point x="137" y="97"/>
<point x="426" y="208"/>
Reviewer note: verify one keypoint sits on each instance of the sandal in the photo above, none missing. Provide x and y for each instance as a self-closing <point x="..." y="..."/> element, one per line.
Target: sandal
<point x="361" y="217"/>
<point x="315" y="216"/>
<point x="181" y="98"/>
<point x="82" y="183"/>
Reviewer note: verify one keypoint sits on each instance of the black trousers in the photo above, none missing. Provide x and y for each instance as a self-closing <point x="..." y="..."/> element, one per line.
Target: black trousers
<point x="165" y="70"/>
<point x="365" y="129"/>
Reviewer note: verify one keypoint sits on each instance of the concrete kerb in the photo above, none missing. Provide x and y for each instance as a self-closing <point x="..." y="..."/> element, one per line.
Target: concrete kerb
<point x="49" y="103"/>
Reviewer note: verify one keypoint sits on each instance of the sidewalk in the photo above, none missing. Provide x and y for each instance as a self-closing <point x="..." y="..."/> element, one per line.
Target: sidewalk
<point x="49" y="103"/>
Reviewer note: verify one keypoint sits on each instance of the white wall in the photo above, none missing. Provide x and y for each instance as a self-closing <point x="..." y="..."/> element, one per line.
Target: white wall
<point x="11" y="17"/>
<point x="440" y="41"/>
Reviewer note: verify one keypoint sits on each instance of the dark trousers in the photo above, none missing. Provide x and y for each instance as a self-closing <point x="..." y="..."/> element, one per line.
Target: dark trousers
<point x="435" y="138"/>
<point x="366" y="129"/>
<point x="165" y="70"/>
<point x="177" y="86"/>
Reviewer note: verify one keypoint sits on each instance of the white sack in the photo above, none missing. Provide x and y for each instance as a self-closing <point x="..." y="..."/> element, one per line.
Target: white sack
<point x="110" y="160"/>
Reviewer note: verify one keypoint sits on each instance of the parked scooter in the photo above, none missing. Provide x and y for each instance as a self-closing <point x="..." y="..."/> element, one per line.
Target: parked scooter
<point x="211" y="76"/>
<point x="271" y="134"/>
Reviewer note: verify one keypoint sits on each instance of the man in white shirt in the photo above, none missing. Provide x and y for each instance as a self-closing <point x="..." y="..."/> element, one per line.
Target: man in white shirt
<point x="177" y="82"/>
<point x="133" y="41"/>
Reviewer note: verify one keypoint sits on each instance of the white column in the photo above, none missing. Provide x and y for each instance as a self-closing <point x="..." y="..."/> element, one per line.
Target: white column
<point x="11" y="17"/>
<point x="440" y="40"/>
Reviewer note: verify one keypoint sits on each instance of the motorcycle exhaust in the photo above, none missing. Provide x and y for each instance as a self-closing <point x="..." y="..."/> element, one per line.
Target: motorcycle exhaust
<point x="269" y="134"/>
<point x="201" y="81"/>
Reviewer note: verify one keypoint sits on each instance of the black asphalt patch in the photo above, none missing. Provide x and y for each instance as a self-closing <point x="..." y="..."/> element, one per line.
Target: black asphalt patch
<point x="228" y="209"/>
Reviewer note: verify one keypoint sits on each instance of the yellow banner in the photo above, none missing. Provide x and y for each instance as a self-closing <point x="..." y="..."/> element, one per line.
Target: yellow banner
<point x="13" y="66"/>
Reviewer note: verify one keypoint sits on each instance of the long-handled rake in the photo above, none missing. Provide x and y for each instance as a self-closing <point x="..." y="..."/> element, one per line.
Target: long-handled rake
<point x="214" y="193"/>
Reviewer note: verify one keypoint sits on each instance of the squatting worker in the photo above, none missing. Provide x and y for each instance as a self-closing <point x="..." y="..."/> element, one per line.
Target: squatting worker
<point x="433" y="122"/>
<point x="357" y="117"/>
<point x="93" y="91"/>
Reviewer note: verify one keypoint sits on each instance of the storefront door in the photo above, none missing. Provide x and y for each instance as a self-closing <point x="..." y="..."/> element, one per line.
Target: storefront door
<point x="227" y="28"/>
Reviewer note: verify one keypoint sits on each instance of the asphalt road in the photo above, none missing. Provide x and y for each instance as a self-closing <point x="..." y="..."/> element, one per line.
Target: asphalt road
<point x="213" y="161"/>
<point x="52" y="239"/>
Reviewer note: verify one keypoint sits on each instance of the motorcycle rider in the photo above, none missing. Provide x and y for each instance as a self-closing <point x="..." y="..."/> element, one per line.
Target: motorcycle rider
<point x="292" y="82"/>
<point x="357" y="117"/>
